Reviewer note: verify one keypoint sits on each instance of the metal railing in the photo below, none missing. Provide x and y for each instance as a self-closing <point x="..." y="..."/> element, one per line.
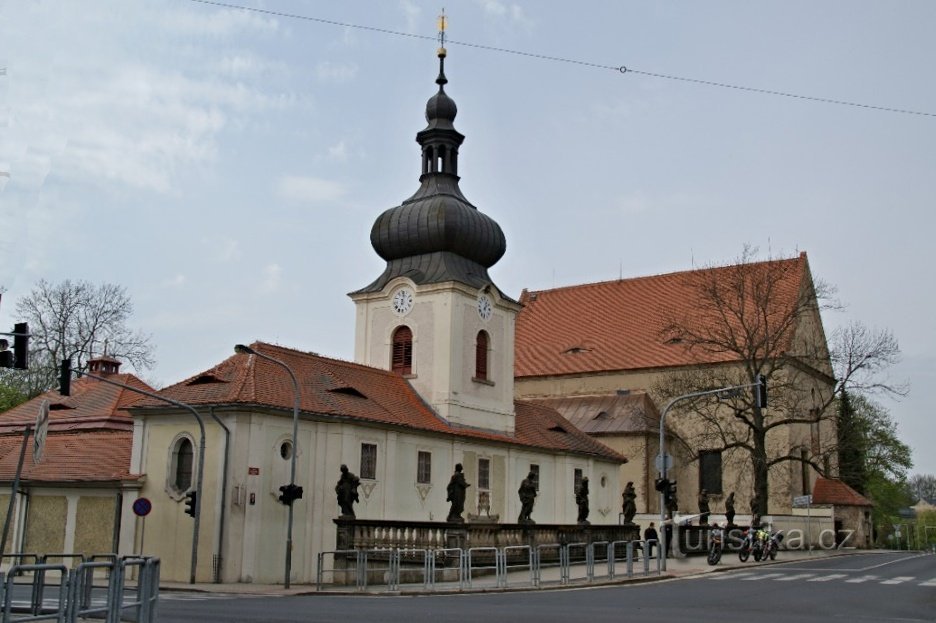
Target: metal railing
<point x="74" y="587"/>
<point x="481" y="567"/>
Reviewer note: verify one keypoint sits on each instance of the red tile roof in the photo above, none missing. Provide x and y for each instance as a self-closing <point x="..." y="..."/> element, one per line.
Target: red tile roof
<point x="608" y="413"/>
<point x="79" y="456"/>
<point x="89" y="437"/>
<point x="344" y="390"/>
<point x="834" y="491"/>
<point x="92" y="404"/>
<point x="617" y="325"/>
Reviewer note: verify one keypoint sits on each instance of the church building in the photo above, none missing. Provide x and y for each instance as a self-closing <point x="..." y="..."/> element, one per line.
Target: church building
<point x="432" y="386"/>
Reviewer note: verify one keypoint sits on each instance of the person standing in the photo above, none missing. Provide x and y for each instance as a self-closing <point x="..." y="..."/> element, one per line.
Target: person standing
<point x="651" y="538"/>
<point x="668" y="532"/>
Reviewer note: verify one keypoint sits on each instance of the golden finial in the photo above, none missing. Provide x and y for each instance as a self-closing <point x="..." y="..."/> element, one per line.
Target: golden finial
<point x="442" y="22"/>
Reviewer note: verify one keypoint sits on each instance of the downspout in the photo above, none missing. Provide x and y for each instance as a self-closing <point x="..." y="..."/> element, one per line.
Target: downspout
<point x="224" y="478"/>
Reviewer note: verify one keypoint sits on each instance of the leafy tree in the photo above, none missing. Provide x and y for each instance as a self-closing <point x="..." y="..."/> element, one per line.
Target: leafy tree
<point x="869" y="449"/>
<point x="922" y="486"/>
<point x="78" y="320"/>
<point x="763" y="318"/>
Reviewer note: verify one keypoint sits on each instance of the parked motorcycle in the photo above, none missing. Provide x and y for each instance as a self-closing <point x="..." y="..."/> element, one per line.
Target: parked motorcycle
<point x="759" y="543"/>
<point x="747" y="544"/>
<point x="772" y="545"/>
<point x="716" y="542"/>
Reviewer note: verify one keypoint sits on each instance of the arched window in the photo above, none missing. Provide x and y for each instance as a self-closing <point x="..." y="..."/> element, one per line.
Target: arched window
<point x="183" y="456"/>
<point x="481" y="356"/>
<point x="402" y="362"/>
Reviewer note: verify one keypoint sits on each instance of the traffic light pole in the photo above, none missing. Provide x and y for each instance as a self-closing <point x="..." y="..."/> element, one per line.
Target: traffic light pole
<point x="201" y="456"/>
<point x="761" y="384"/>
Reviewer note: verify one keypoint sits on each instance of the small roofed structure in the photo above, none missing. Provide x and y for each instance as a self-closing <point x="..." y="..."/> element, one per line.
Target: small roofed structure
<point x="72" y="499"/>
<point x="851" y="511"/>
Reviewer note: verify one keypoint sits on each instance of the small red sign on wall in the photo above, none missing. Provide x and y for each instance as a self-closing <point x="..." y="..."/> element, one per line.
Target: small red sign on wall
<point x="253" y="471"/>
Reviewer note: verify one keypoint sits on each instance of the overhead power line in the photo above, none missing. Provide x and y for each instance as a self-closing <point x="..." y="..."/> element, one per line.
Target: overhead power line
<point x="622" y="69"/>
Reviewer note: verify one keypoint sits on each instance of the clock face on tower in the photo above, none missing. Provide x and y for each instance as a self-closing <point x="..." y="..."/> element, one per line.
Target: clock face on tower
<point x="485" y="307"/>
<point x="403" y="301"/>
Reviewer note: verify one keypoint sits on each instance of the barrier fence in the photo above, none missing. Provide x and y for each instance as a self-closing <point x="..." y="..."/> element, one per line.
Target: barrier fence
<point x="481" y="567"/>
<point x="44" y="591"/>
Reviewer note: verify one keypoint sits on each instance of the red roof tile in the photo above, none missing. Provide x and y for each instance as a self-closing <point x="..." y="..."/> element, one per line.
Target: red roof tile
<point x="341" y="389"/>
<point x="617" y="325"/>
<point x="85" y="456"/>
<point x="834" y="491"/>
<point x="608" y="413"/>
<point x="92" y="404"/>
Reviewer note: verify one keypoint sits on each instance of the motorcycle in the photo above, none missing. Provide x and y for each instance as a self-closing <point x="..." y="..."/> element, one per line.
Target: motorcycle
<point x="772" y="545"/>
<point x="747" y="544"/>
<point x="759" y="544"/>
<point x="716" y="539"/>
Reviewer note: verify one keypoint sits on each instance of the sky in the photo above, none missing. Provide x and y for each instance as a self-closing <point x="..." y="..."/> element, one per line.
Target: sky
<point x="226" y="166"/>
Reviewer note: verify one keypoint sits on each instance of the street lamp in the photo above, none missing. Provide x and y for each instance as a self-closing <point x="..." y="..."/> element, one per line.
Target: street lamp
<point x="246" y="350"/>
<point x="760" y="399"/>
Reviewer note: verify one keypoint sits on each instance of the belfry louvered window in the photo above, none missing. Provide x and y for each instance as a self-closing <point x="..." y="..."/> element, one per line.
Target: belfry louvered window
<point x="481" y="356"/>
<point x="402" y="351"/>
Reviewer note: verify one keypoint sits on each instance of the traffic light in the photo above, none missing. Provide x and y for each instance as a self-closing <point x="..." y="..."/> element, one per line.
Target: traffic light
<point x="670" y="495"/>
<point x="190" y="499"/>
<point x="290" y="493"/>
<point x="21" y="346"/>
<point x="65" y="378"/>
<point x="760" y="392"/>
<point x="6" y="355"/>
<point x="662" y="485"/>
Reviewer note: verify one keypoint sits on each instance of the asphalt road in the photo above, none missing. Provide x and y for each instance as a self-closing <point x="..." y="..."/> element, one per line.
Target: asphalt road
<point x="887" y="587"/>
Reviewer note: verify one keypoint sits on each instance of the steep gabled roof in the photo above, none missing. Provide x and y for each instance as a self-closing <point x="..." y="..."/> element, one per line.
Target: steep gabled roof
<point x="343" y="390"/>
<point x="617" y="325"/>
<point x="599" y="414"/>
<point x="834" y="491"/>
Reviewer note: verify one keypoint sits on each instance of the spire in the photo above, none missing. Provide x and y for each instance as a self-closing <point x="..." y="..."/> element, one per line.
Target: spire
<point x="437" y="235"/>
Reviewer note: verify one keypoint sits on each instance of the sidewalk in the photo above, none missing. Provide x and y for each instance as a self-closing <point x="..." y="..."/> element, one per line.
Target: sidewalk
<point x="676" y="568"/>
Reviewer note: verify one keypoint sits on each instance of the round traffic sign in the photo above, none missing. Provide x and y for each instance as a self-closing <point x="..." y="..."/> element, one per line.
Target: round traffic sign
<point x="142" y="507"/>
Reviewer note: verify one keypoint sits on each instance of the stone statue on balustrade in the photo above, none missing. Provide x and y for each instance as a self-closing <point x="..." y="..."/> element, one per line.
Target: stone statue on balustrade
<point x="630" y="503"/>
<point x="527" y="494"/>
<point x="581" y="500"/>
<point x="347" y="492"/>
<point x="729" y="509"/>
<point x="456" y="495"/>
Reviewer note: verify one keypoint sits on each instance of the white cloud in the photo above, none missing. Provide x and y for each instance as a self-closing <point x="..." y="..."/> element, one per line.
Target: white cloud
<point x="413" y="15"/>
<point x="327" y="71"/>
<point x="272" y="276"/>
<point x="309" y="189"/>
<point x="87" y="110"/>
<point x="222" y="249"/>
<point x="338" y="152"/>
<point x="175" y="282"/>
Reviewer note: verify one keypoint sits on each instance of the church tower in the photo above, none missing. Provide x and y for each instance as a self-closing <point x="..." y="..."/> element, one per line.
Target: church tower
<point x="434" y="315"/>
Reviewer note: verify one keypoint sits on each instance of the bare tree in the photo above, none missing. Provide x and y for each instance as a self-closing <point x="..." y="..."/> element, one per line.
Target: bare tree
<point x="79" y="320"/>
<point x="763" y="318"/>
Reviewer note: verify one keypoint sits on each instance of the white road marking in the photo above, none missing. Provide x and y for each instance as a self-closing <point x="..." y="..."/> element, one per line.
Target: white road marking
<point x="801" y="576"/>
<point x="929" y="582"/>
<point x="899" y="579"/>
<point x="827" y="578"/>
<point x="766" y="576"/>
<point x="863" y="578"/>
<point x="728" y="576"/>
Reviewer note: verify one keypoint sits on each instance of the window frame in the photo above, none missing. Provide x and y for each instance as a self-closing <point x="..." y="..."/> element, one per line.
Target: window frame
<point x="176" y="469"/>
<point x="484" y="475"/>
<point x="423" y="467"/>
<point x="401" y="350"/>
<point x="709" y="480"/>
<point x="368" y="464"/>
<point x="482" y="355"/>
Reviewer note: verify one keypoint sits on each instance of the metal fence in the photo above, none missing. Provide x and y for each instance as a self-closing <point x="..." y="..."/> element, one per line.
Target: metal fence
<point x="64" y="591"/>
<point x="483" y="567"/>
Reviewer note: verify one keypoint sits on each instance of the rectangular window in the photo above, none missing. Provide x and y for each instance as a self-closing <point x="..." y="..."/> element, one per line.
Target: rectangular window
<point x="710" y="471"/>
<point x="576" y="479"/>
<point x="534" y="469"/>
<point x="423" y="468"/>
<point x="369" y="461"/>
<point x="484" y="474"/>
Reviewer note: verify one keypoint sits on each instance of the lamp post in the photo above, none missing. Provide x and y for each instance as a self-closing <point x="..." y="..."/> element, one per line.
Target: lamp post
<point x="246" y="350"/>
<point x="761" y="383"/>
